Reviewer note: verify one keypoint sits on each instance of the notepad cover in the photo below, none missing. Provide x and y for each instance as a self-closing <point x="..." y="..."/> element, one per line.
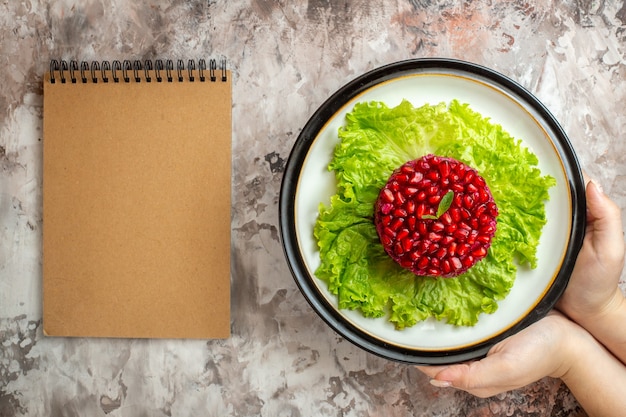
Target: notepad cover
<point x="136" y="209"/>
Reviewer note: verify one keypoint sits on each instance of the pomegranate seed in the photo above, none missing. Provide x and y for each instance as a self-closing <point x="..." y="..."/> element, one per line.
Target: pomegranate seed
<point x="410" y="207"/>
<point x="464" y="226"/>
<point x="483" y="195"/>
<point x="479" y="181"/>
<point x="471" y="239"/>
<point x="451" y="228"/>
<point x="421" y="210"/>
<point x="461" y="234"/>
<point x="483" y="239"/>
<point x="407" y="169"/>
<point x="484" y="219"/>
<point x="468" y="261"/>
<point x="434" y="199"/>
<point x="479" y="252"/>
<point x="462" y="249"/>
<point x="437" y="227"/>
<point x="387" y="195"/>
<point x="406" y="263"/>
<point x="455" y="214"/>
<point x="398" y="248"/>
<point x="452" y="249"/>
<point x="402" y="178"/>
<point x="456" y="262"/>
<point x="447" y="240"/>
<point x="433" y="175"/>
<point x="416" y="178"/>
<point x="402" y="234"/>
<point x="488" y="229"/>
<point x="444" y="169"/>
<point x="435" y="237"/>
<point x="399" y="212"/>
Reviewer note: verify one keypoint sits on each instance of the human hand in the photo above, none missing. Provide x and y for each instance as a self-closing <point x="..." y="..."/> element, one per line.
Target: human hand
<point x="545" y="348"/>
<point x="593" y="289"/>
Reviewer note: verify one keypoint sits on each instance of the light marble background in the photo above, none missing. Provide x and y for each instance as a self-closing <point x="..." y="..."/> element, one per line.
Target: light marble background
<point x="281" y="360"/>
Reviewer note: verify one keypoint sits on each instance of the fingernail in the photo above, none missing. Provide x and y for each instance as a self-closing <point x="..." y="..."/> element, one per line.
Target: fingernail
<point x="598" y="186"/>
<point x="440" y="384"/>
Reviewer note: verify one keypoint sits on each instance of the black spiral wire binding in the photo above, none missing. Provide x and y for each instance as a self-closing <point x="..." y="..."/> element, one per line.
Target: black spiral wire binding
<point x="169" y="67"/>
<point x="201" y="69"/>
<point x="115" y="67"/>
<point x="147" y="68"/>
<point x="95" y="67"/>
<point x="180" y="66"/>
<point x="127" y="70"/>
<point x="212" y="68"/>
<point x="126" y="66"/>
<point x="191" y="67"/>
<point x="106" y="67"/>
<point x="158" y="67"/>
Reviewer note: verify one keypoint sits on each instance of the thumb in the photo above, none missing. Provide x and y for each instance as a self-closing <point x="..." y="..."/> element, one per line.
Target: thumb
<point x="497" y="372"/>
<point x="604" y="219"/>
<point x="478" y="378"/>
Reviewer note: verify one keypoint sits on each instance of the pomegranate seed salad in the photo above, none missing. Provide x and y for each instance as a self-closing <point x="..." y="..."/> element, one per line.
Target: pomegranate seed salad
<point x="436" y="209"/>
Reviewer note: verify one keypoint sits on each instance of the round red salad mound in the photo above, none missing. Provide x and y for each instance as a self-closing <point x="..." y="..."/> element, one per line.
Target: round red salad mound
<point x="436" y="216"/>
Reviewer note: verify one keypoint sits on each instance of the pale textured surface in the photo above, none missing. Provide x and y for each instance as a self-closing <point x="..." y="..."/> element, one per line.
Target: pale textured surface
<point x="281" y="359"/>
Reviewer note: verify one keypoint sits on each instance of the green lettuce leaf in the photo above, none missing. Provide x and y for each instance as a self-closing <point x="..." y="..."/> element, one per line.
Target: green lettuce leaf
<point x="376" y="140"/>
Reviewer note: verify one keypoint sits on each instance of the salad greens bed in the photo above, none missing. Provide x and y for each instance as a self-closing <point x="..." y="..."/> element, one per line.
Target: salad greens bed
<point x="378" y="139"/>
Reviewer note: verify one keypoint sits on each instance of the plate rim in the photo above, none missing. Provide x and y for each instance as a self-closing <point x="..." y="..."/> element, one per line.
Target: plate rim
<point x="294" y="165"/>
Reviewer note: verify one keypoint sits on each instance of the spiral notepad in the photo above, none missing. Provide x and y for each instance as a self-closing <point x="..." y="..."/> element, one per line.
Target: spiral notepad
<point x="136" y="199"/>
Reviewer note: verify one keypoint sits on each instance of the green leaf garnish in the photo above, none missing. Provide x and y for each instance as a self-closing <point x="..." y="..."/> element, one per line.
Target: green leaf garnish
<point x="445" y="203"/>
